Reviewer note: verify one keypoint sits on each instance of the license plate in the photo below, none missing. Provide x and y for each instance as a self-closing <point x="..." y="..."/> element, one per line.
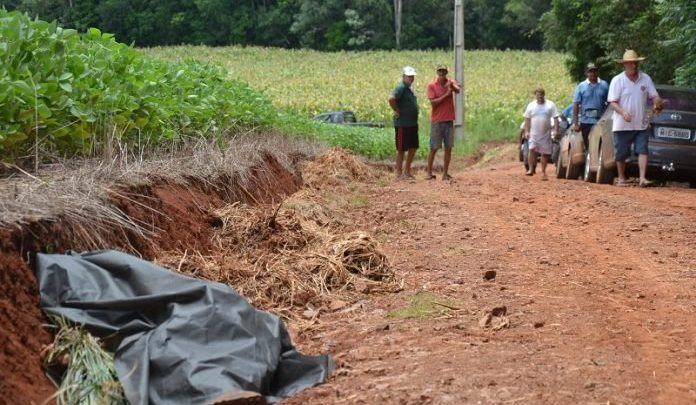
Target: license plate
<point x="669" y="132"/>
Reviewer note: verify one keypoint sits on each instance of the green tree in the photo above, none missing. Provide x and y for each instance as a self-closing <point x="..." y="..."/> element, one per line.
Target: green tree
<point x="679" y="24"/>
<point x="273" y="22"/>
<point x="427" y="24"/>
<point x="600" y="31"/>
<point x="522" y="18"/>
<point x="343" y="24"/>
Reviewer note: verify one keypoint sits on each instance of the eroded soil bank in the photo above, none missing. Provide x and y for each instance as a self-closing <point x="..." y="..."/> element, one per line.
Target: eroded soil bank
<point x="172" y="215"/>
<point x="514" y="290"/>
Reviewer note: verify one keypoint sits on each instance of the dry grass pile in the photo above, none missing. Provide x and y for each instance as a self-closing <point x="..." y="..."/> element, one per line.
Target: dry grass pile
<point x="336" y="167"/>
<point x="77" y="192"/>
<point x="85" y="370"/>
<point x="290" y="257"/>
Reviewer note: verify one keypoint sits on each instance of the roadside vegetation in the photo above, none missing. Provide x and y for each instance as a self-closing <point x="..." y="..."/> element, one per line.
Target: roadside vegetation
<point x="68" y="94"/>
<point x="498" y="85"/>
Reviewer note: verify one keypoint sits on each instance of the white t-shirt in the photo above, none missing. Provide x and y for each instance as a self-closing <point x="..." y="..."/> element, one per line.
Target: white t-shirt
<point x="633" y="98"/>
<point x="541" y="116"/>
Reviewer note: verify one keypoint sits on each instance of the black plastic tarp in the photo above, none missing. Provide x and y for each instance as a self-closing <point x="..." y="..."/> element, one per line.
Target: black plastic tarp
<point x="179" y="340"/>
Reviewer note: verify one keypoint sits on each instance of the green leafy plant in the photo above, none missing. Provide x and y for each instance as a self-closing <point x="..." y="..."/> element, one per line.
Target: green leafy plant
<point x="80" y="94"/>
<point x="89" y="377"/>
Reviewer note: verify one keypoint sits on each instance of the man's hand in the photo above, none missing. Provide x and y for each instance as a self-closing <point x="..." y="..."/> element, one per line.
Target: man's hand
<point x="626" y="116"/>
<point x="658" y="105"/>
<point x="454" y="86"/>
<point x="576" y="127"/>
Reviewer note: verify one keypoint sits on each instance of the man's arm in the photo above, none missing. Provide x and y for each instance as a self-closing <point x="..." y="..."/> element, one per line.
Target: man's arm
<point x="438" y="100"/>
<point x="623" y="113"/>
<point x="527" y="126"/>
<point x="394" y="106"/>
<point x="454" y="85"/>
<point x="576" y="111"/>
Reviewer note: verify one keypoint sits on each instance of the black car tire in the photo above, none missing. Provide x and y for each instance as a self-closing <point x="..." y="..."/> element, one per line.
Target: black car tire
<point x="573" y="170"/>
<point x="525" y="154"/>
<point x="604" y="175"/>
<point x="555" y="152"/>
<point x="560" y="169"/>
<point x="588" y="175"/>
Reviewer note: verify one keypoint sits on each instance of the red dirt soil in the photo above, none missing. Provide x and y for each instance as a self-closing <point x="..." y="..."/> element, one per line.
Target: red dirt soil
<point x="597" y="283"/>
<point x="175" y="213"/>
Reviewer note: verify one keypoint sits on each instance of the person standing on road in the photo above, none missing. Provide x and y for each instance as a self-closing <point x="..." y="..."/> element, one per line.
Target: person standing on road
<point x="540" y="119"/>
<point x="590" y="98"/>
<point x="628" y="95"/>
<point x="441" y="95"/>
<point x="405" y="106"/>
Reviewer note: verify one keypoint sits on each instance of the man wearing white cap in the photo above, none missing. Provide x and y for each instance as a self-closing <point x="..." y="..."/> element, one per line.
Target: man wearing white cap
<point x="628" y="96"/>
<point x="405" y="106"/>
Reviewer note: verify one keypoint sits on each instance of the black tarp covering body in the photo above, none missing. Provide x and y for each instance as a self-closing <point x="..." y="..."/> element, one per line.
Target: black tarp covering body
<point x="179" y="340"/>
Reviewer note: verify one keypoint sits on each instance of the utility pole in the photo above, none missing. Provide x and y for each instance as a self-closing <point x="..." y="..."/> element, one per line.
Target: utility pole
<point x="397" y="22"/>
<point x="459" y="68"/>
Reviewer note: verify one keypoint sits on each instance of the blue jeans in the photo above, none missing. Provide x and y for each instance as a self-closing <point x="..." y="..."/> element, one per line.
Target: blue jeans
<point x="623" y="141"/>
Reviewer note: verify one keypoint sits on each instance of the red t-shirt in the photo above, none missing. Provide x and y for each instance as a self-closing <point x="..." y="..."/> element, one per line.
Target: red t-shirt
<point x="445" y="110"/>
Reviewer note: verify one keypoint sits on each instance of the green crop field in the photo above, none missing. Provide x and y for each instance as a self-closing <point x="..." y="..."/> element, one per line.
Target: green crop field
<point x="498" y="84"/>
<point x="67" y="93"/>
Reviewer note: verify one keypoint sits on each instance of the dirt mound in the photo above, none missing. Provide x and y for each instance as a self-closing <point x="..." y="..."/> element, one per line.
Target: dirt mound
<point x="285" y="252"/>
<point x="336" y="167"/>
<point x="163" y="214"/>
<point x="300" y="253"/>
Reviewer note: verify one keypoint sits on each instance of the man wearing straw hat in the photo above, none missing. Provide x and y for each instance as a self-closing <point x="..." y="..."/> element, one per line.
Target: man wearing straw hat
<point x="628" y="96"/>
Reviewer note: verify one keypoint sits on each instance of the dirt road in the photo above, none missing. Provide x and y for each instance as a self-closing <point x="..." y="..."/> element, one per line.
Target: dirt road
<point x="597" y="284"/>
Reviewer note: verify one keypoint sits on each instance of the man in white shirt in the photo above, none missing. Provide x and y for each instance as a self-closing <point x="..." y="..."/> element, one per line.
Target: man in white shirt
<point x="540" y="118"/>
<point x="628" y="96"/>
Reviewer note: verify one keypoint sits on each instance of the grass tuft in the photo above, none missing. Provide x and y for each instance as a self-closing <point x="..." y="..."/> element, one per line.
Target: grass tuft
<point x="89" y="377"/>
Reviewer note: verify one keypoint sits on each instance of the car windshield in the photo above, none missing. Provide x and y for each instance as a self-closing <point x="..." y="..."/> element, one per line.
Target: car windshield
<point x="678" y="100"/>
<point x="349" y="117"/>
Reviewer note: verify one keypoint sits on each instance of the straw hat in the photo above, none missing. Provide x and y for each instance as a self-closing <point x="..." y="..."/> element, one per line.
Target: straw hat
<point x="630" y="56"/>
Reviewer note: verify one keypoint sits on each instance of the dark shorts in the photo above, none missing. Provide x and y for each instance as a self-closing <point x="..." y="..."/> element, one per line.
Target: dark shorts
<point x="441" y="133"/>
<point x="623" y="141"/>
<point x="406" y="138"/>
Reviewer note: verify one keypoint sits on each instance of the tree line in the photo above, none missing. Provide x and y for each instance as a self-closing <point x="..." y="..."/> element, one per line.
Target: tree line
<point x="598" y="30"/>
<point x="327" y="25"/>
<point x="588" y="30"/>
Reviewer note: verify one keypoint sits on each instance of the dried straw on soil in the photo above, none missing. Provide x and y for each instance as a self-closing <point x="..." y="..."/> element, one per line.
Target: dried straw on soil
<point x="283" y="261"/>
<point x="77" y="192"/>
<point x="296" y="254"/>
<point x="336" y="167"/>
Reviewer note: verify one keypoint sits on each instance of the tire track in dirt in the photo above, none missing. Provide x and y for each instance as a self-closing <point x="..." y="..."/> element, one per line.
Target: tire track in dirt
<point x="608" y="273"/>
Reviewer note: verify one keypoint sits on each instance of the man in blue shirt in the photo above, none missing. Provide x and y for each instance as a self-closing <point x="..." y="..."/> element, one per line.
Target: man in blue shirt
<point x="589" y="101"/>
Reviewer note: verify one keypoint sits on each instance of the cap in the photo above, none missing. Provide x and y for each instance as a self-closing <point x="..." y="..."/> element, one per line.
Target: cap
<point x="591" y="66"/>
<point x="442" y="67"/>
<point x="408" y="71"/>
<point x="630" y="56"/>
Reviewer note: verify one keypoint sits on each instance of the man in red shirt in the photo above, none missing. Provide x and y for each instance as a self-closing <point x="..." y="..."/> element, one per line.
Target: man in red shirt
<point x="441" y="95"/>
